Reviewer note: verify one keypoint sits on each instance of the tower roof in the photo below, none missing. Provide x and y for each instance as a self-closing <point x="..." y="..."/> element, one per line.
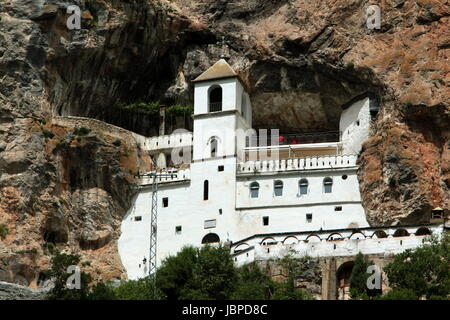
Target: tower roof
<point x="220" y="69"/>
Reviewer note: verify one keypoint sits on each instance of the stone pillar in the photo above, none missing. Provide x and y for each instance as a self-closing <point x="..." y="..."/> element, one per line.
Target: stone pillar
<point x="329" y="280"/>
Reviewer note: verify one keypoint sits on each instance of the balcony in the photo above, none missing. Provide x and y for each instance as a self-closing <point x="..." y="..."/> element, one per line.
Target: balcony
<point x="293" y="139"/>
<point x="289" y="146"/>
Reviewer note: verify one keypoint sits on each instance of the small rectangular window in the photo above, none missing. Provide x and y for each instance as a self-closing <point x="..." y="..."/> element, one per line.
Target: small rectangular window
<point x="210" y="224"/>
<point x="220" y="168"/>
<point x="138" y="218"/>
<point x="178" y="230"/>
<point x="338" y="208"/>
<point x="309" y="217"/>
<point x="220" y="211"/>
<point x="265" y="221"/>
<point x="165" y="202"/>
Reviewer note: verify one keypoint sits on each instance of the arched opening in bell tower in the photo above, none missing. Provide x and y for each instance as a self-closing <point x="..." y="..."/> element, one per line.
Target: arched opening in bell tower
<point x="215" y="99"/>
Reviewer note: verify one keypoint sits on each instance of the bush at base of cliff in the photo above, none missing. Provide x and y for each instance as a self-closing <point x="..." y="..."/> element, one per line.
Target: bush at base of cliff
<point x="399" y="294"/>
<point x="142" y="289"/>
<point x="60" y="291"/>
<point x="424" y="270"/>
<point x="286" y="291"/>
<point x="252" y="284"/>
<point x="197" y="273"/>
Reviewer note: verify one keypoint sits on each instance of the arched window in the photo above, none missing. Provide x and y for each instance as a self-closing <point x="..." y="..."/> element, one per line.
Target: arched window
<point x="327" y="185"/>
<point x="254" y="190"/>
<point x="278" y="188"/>
<point x="401" y="233"/>
<point x="205" y="190"/>
<point x="215" y="99"/>
<point x="211" y="238"/>
<point x="423" y="231"/>
<point x="303" y="185"/>
<point x="214" y="146"/>
<point x="379" y="234"/>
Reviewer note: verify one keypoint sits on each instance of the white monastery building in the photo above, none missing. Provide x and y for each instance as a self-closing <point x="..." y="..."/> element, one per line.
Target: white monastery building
<point x="291" y="192"/>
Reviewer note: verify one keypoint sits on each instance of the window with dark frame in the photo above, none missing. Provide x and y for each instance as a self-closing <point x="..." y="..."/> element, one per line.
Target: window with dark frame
<point x="165" y="202"/>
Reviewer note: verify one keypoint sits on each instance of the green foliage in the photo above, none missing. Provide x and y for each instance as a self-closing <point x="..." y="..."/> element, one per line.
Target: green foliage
<point x="286" y="291"/>
<point x="214" y="273"/>
<point x="152" y="109"/>
<point x="47" y="133"/>
<point x="194" y="273"/>
<point x="4" y="231"/>
<point x="102" y="291"/>
<point x="350" y="64"/>
<point x="358" y="278"/>
<point x="180" y="110"/>
<point x="60" y="263"/>
<point x="50" y="247"/>
<point x="176" y="272"/>
<point x="252" y="284"/>
<point x="206" y="273"/>
<point x="399" y="294"/>
<point x="148" y="108"/>
<point x="294" y="267"/>
<point x="424" y="270"/>
<point x="142" y="289"/>
<point x="82" y="131"/>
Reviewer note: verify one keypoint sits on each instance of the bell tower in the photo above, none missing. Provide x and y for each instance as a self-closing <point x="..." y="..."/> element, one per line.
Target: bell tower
<point x="221" y="106"/>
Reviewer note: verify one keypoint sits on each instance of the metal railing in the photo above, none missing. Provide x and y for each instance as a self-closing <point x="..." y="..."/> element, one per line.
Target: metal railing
<point x="215" y="106"/>
<point x="298" y="138"/>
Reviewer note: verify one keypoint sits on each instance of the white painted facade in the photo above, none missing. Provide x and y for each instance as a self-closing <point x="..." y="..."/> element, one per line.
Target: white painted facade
<point x="354" y="126"/>
<point x="185" y="217"/>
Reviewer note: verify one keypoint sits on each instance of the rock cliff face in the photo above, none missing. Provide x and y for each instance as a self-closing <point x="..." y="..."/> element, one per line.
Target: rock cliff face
<point x="302" y="61"/>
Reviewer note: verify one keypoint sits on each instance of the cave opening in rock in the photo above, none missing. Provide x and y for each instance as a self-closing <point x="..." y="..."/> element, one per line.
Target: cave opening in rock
<point x="55" y="237"/>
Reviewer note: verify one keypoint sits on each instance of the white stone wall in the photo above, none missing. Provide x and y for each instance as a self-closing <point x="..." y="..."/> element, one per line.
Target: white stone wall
<point x="186" y="208"/>
<point x="319" y="244"/>
<point x="229" y="95"/>
<point x="168" y="141"/>
<point x="354" y="126"/>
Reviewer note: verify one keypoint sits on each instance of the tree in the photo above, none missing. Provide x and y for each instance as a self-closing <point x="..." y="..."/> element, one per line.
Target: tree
<point x="176" y="272"/>
<point x="60" y="263"/>
<point x="142" y="289"/>
<point x="399" y="294"/>
<point x="358" y="279"/>
<point x="252" y="284"/>
<point x="214" y="273"/>
<point x="206" y="273"/>
<point x="295" y="268"/>
<point x="424" y="270"/>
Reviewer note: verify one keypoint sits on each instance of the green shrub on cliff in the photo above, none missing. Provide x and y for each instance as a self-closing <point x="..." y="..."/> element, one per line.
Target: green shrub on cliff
<point x="4" y="231"/>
